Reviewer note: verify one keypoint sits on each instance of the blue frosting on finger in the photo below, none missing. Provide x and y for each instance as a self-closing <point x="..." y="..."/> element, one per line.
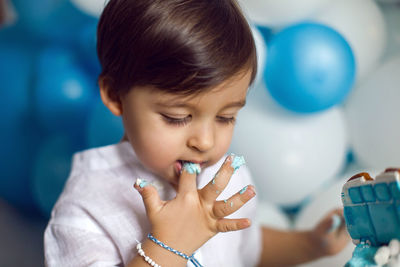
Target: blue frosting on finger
<point x="237" y="162"/>
<point x="336" y="222"/>
<point x="192" y="167"/>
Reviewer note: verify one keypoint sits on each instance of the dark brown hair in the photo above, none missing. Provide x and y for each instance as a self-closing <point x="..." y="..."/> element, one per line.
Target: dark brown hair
<point x="181" y="46"/>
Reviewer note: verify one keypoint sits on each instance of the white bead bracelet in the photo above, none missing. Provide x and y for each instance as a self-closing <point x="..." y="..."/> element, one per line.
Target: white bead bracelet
<point x="146" y="258"/>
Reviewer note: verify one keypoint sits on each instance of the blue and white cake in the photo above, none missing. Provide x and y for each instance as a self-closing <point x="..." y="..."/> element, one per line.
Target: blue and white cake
<point x="372" y="215"/>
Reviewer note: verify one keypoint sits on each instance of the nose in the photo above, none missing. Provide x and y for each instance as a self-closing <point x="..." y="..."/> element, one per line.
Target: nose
<point x="202" y="138"/>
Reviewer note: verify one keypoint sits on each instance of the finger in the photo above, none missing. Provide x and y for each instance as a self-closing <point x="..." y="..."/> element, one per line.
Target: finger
<point x="151" y="199"/>
<point x="228" y="225"/>
<point x="187" y="180"/>
<point x="332" y="222"/>
<point x="213" y="189"/>
<point x="335" y="223"/>
<point x="226" y="207"/>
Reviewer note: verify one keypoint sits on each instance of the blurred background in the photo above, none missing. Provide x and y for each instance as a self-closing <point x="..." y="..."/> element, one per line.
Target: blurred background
<point x="324" y="106"/>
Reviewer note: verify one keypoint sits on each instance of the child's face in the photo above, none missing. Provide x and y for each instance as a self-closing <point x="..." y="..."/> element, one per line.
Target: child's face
<point x="166" y="129"/>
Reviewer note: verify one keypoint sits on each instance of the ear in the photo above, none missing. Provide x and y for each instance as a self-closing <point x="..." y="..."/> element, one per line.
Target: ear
<point x="109" y="97"/>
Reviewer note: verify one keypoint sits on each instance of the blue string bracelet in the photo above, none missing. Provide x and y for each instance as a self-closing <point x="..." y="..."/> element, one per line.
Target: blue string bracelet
<point x="191" y="258"/>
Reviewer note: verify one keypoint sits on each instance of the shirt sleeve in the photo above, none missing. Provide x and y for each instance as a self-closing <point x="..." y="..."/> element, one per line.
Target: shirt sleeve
<point x="69" y="246"/>
<point x="251" y="237"/>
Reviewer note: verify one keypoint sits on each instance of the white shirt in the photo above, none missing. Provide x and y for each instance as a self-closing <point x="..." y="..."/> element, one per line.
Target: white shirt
<point x="99" y="215"/>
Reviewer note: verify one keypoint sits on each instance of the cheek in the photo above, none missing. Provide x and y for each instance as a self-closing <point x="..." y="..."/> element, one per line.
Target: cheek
<point x="156" y="147"/>
<point x="223" y="142"/>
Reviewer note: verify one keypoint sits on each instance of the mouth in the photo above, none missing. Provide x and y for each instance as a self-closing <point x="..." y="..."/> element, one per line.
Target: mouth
<point x="179" y="164"/>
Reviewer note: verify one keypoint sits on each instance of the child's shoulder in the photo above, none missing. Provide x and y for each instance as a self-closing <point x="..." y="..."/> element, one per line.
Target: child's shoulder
<point x="101" y="173"/>
<point x="105" y="157"/>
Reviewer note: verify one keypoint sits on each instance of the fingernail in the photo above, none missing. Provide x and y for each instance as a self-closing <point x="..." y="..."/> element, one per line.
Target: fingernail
<point x="245" y="223"/>
<point x="243" y="190"/>
<point x="141" y="182"/>
<point x="237" y="162"/>
<point x="229" y="158"/>
<point x="248" y="190"/>
<point x="192" y="167"/>
<point x="336" y="222"/>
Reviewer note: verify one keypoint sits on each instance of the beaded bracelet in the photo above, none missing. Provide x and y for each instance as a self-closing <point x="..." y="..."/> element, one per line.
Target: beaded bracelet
<point x="146" y="258"/>
<point x="195" y="262"/>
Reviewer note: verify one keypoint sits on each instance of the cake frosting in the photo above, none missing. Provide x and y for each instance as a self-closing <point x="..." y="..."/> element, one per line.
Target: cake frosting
<point x="372" y="215"/>
<point x="366" y="255"/>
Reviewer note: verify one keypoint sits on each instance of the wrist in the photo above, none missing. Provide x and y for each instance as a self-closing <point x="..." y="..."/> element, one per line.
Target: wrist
<point x="162" y="256"/>
<point x="316" y="245"/>
<point x="177" y="242"/>
<point x="177" y="252"/>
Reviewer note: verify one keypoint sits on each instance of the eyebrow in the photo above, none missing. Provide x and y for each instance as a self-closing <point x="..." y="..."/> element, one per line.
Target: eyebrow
<point x="235" y="104"/>
<point x="183" y="104"/>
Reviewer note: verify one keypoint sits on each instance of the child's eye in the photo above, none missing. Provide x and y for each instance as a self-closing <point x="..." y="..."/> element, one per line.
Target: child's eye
<point x="176" y="121"/>
<point x="226" y="120"/>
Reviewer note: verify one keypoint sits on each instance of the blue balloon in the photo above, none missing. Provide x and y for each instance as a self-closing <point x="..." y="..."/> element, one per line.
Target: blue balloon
<point x="55" y="20"/>
<point x="104" y="128"/>
<point x="19" y="135"/>
<point x="63" y="93"/>
<point x="265" y="32"/>
<point x="51" y="169"/>
<point x="87" y="48"/>
<point x="19" y="141"/>
<point x="310" y="67"/>
<point x="13" y="34"/>
<point x="16" y="72"/>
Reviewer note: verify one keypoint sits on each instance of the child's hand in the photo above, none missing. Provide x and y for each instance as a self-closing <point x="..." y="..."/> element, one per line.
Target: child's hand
<point x="330" y="233"/>
<point x="186" y="222"/>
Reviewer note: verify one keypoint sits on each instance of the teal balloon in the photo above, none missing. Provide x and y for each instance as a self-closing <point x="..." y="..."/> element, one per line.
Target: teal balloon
<point x="63" y="93"/>
<point x="310" y="67"/>
<point x="51" y="169"/>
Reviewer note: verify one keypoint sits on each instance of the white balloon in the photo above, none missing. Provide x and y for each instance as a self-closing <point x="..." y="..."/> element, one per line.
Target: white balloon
<point x="261" y="48"/>
<point x="273" y="13"/>
<point x="289" y="155"/>
<point x="271" y="215"/>
<point x="373" y="115"/>
<point x="361" y="22"/>
<point x="321" y="203"/>
<point x="392" y="18"/>
<point x="91" y="7"/>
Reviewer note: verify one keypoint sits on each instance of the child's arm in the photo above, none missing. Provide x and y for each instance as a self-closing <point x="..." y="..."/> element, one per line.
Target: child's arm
<point x="286" y="248"/>
<point x="186" y="222"/>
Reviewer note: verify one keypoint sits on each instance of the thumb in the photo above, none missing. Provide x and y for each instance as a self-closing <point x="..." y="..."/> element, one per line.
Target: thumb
<point x="335" y="223"/>
<point x="332" y="222"/>
<point x="149" y="194"/>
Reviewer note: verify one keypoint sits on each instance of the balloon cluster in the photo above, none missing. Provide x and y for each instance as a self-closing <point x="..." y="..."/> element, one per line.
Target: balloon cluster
<point x="51" y="106"/>
<point x="326" y="92"/>
<point x="323" y="106"/>
<point x="325" y="89"/>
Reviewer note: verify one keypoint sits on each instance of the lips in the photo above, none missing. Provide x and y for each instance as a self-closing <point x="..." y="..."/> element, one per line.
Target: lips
<point x="179" y="164"/>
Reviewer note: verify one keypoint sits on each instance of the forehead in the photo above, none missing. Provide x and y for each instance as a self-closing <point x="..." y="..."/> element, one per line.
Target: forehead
<point x="234" y="89"/>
